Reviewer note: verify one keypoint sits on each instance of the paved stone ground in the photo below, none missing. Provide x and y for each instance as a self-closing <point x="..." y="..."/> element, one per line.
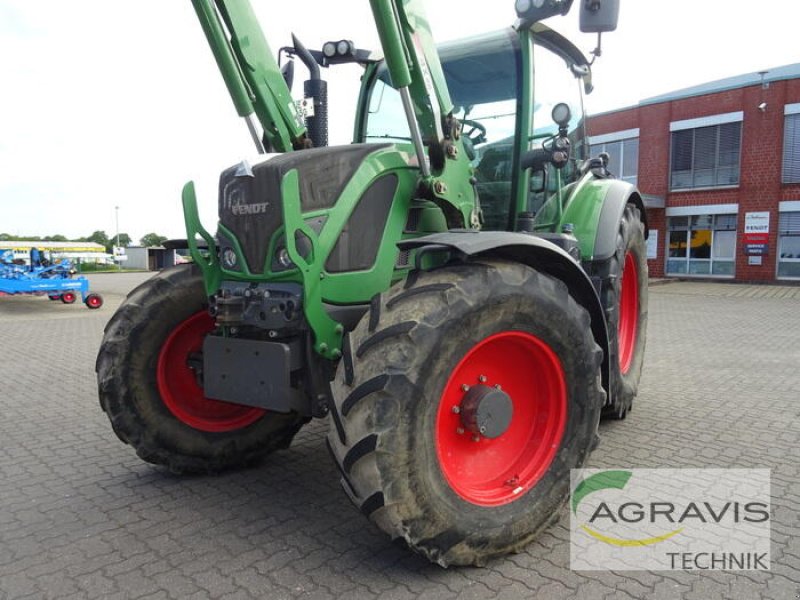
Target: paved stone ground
<point x="82" y="517"/>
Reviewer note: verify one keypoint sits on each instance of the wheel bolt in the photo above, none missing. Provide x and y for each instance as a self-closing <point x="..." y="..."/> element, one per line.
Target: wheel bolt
<point x="482" y="429"/>
<point x="460" y="430"/>
<point x="482" y="378"/>
<point x="497" y="386"/>
<point x="464" y="387"/>
<point x="476" y="438"/>
<point x="456" y="409"/>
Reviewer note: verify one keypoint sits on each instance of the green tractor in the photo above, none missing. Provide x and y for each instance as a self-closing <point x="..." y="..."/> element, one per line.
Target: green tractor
<point x="461" y="292"/>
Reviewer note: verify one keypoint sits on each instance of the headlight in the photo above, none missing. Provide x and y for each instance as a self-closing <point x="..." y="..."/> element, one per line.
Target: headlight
<point x="561" y="114"/>
<point x="229" y="258"/>
<point x="522" y="6"/>
<point x="283" y="259"/>
<point x="343" y="48"/>
<point x="329" y="49"/>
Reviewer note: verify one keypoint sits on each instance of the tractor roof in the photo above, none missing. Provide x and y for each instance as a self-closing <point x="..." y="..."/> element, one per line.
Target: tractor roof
<point x="478" y="68"/>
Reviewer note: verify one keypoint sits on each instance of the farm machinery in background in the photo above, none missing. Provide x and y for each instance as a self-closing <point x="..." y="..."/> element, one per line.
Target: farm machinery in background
<point x="461" y="292"/>
<point x="40" y="278"/>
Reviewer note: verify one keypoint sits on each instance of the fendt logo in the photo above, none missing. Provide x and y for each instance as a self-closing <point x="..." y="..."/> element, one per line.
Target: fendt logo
<point x="671" y="519"/>
<point x="235" y="202"/>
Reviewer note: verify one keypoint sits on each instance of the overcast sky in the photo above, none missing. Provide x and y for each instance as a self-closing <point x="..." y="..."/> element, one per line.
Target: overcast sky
<point x="106" y="103"/>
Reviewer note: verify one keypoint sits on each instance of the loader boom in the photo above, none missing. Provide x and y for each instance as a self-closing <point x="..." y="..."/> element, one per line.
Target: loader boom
<point x="413" y="61"/>
<point x="251" y="74"/>
<point x="416" y="72"/>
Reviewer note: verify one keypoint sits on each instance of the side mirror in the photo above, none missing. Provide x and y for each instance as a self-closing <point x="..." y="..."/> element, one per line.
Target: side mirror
<point x="599" y="16"/>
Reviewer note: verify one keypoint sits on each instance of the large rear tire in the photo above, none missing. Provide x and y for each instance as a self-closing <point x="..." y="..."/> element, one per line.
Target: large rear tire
<point x="462" y="482"/>
<point x="624" y="298"/>
<point x="151" y="393"/>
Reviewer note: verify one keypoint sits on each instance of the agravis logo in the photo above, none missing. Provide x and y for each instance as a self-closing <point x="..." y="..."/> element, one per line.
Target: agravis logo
<point x="615" y="480"/>
<point x="667" y="518"/>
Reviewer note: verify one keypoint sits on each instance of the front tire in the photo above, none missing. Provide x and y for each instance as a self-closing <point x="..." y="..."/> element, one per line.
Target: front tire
<point x="422" y="471"/>
<point x="150" y="391"/>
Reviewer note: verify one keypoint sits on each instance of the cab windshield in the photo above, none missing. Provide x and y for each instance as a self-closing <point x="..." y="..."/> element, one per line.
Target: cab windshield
<point x="482" y="85"/>
<point x="484" y="79"/>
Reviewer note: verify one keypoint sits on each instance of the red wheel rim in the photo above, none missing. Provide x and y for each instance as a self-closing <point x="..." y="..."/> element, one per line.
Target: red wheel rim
<point x="94" y="301"/>
<point x="492" y="472"/>
<point x="628" y="313"/>
<point x="179" y="389"/>
<point x="68" y="297"/>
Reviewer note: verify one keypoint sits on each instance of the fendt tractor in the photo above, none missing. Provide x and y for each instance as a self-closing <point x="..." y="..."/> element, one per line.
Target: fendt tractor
<point x="461" y="292"/>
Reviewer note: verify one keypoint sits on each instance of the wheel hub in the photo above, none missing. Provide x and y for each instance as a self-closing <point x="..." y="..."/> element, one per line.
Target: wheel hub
<point x="180" y="389"/>
<point x="511" y="384"/>
<point x="486" y="411"/>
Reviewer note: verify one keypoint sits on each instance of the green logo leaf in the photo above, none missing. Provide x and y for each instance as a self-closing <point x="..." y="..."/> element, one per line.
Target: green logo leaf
<point x="599" y="481"/>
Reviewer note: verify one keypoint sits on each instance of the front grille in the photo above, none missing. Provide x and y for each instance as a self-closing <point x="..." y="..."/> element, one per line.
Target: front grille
<point x="250" y="202"/>
<point x="402" y="259"/>
<point x="250" y="207"/>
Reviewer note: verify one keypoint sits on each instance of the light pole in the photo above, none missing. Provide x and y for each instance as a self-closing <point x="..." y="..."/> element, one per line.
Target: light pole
<point x="116" y="252"/>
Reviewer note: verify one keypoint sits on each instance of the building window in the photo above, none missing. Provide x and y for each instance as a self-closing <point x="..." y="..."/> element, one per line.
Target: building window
<point x="791" y="148"/>
<point x="789" y="245"/>
<point x="623" y="157"/>
<point x="706" y="156"/>
<point x="701" y="245"/>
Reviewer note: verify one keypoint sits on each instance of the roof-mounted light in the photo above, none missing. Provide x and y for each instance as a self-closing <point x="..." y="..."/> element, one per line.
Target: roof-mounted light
<point x="329" y="49"/>
<point x="531" y="11"/>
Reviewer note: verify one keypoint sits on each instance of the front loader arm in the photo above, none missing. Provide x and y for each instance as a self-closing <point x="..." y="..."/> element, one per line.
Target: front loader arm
<point x="417" y="50"/>
<point x="251" y="74"/>
<point x="416" y="72"/>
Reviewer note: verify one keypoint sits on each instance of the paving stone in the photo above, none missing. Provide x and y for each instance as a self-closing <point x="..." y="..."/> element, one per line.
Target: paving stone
<point x="82" y="517"/>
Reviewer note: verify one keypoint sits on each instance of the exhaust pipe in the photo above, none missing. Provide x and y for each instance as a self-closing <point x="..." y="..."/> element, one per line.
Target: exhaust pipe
<point x="316" y="89"/>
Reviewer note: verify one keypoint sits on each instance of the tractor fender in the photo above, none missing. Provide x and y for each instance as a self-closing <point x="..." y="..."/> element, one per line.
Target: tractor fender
<point x="542" y="255"/>
<point x="618" y="195"/>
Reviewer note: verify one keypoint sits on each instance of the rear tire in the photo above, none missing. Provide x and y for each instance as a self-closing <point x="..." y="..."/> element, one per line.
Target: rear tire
<point x="68" y="297"/>
<point x="624" y="298"/>
<point x="395" y="436"/>
<point x="152" y="397"/>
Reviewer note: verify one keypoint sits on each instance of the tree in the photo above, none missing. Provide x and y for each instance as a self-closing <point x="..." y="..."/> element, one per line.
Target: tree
<point x="152" y="239"/>
<point x="99" y="237"/>
<point x="7" y="237"/>
<point x="124" y="240"/>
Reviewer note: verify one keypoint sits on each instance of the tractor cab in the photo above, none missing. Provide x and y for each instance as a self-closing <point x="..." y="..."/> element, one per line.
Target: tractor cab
<point x="492" y="82"/>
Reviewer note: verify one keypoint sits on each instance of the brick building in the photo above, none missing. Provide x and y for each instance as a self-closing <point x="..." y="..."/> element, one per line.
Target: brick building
<point x="719" y="167"/>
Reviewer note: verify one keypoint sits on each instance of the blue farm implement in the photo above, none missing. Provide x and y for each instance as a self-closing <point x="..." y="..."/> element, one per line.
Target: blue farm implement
<point x="54" y="281"/>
